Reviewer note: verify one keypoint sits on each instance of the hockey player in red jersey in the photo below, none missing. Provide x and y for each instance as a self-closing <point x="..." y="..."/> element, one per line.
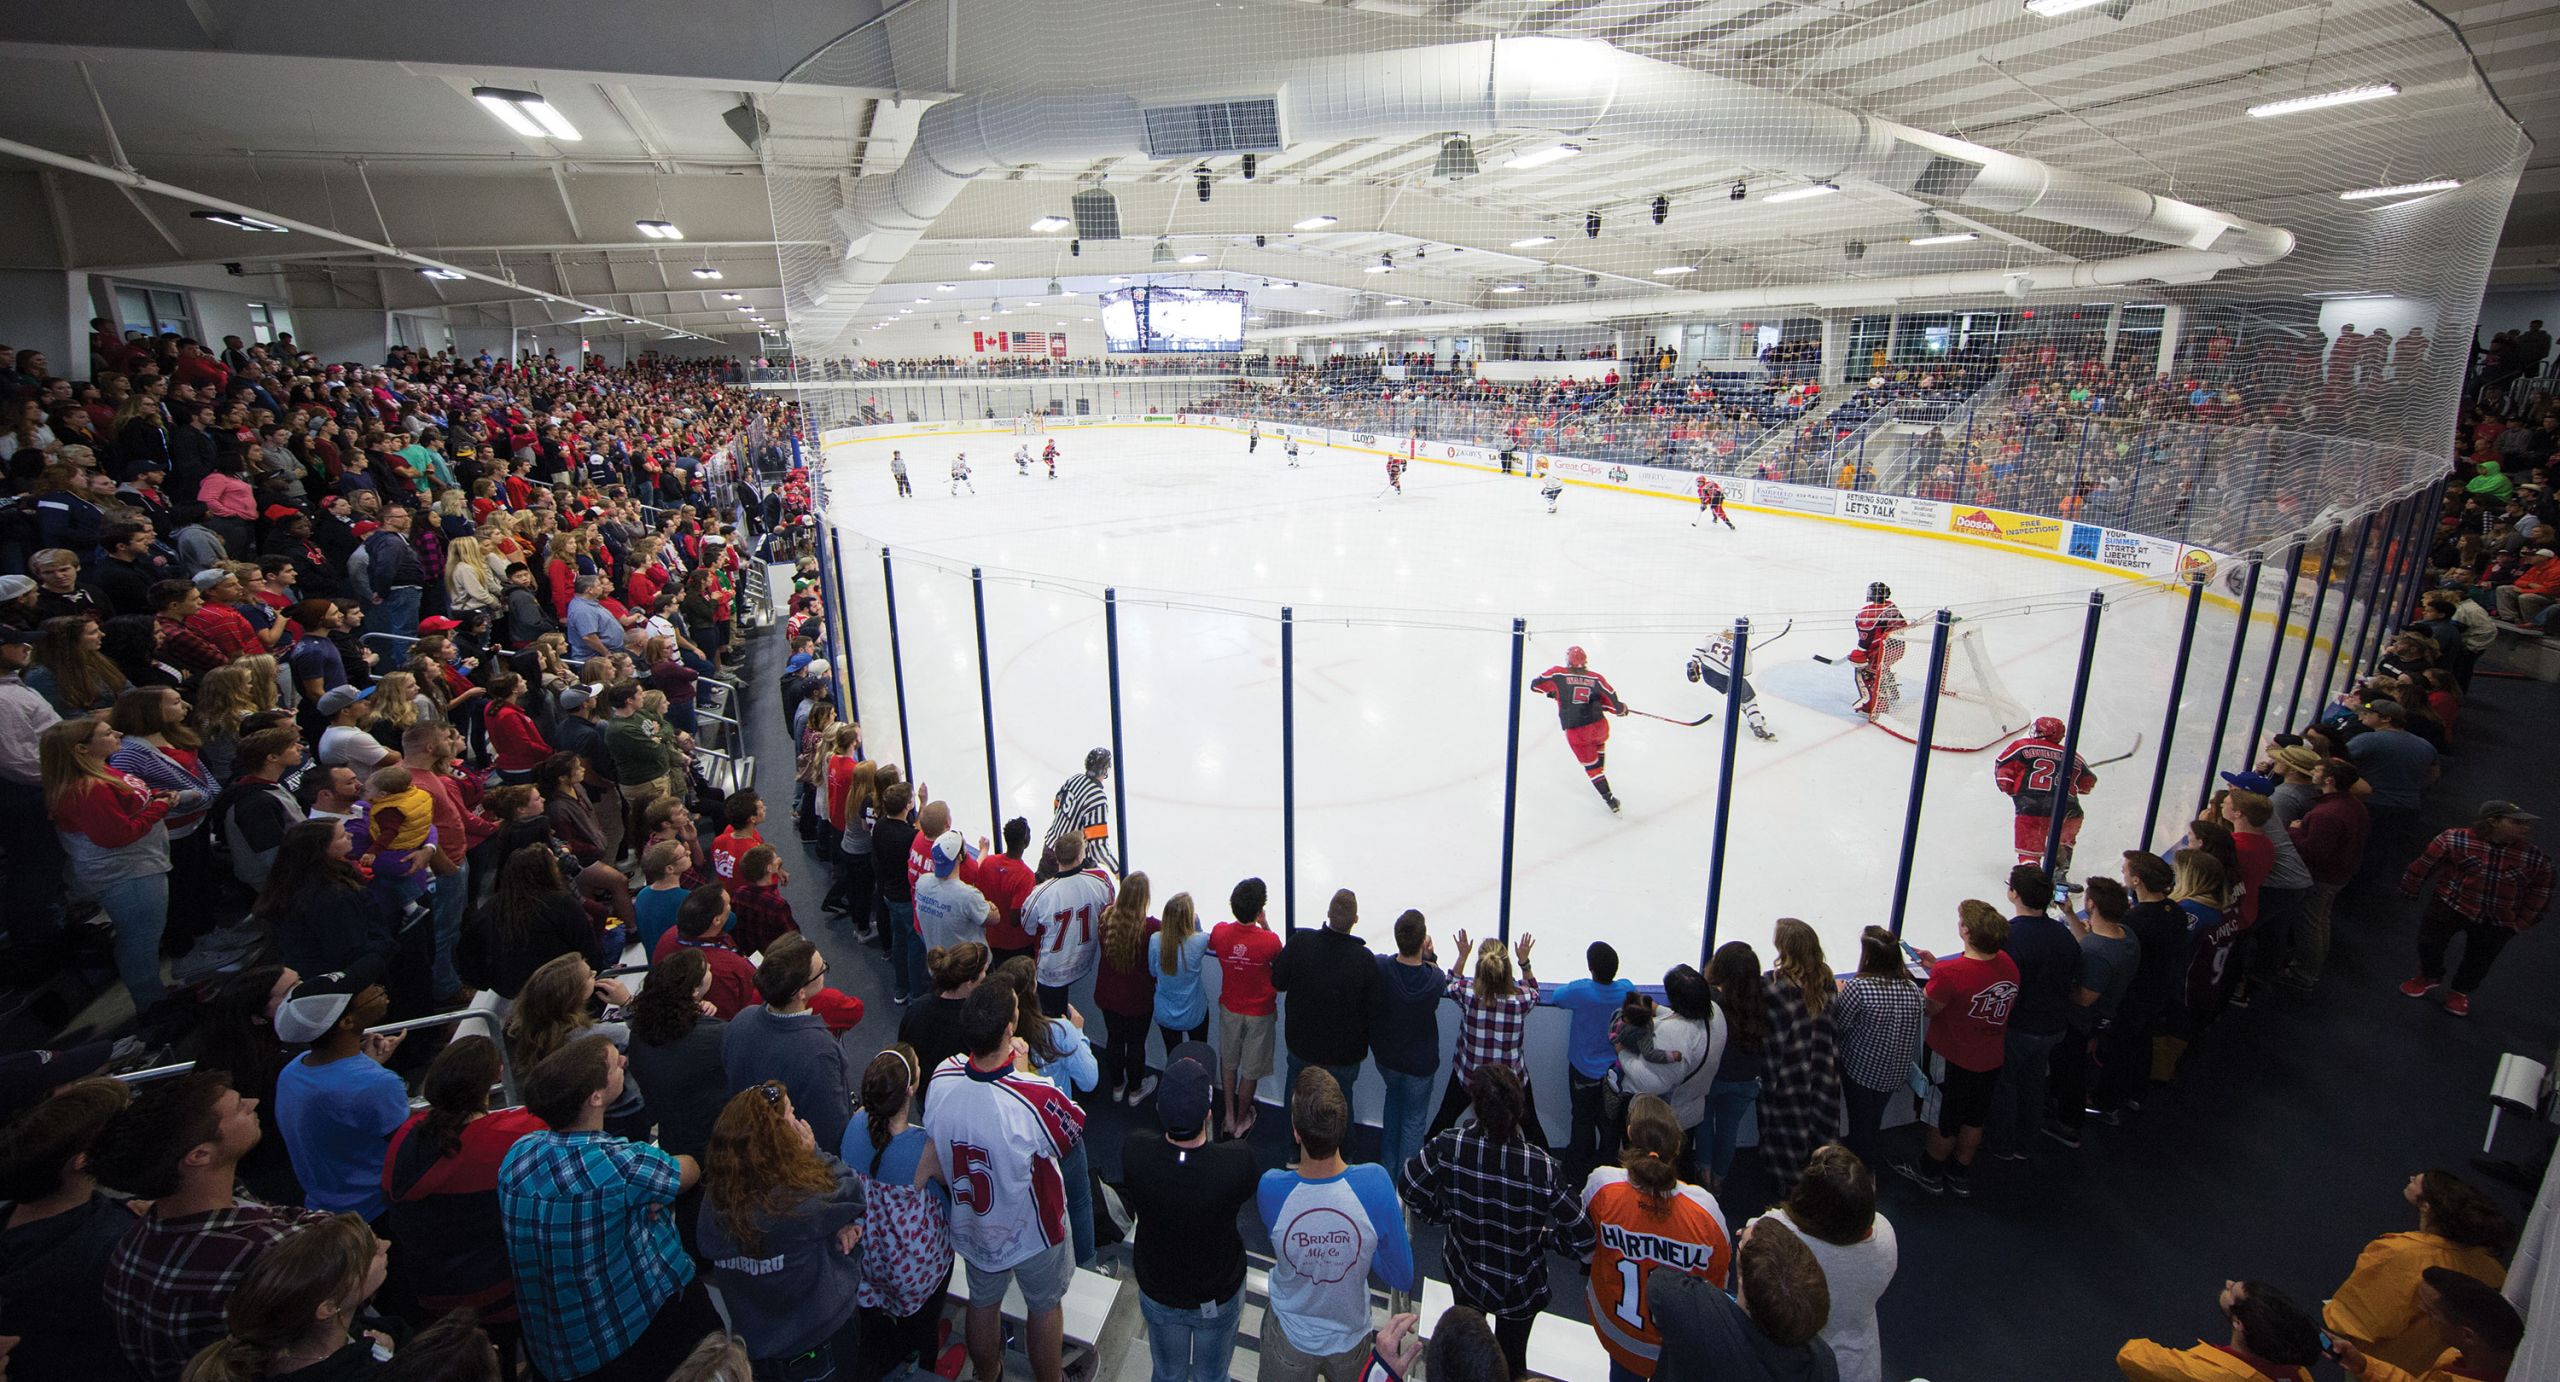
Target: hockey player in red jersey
<point x="1050" y="455"/>
<point x="1395" y="473"/>
<point x="2026" y="773"/>
<point x="1584" y="701"/>
<point x="1880" y="625"/>
<point x="1710" y="504"/>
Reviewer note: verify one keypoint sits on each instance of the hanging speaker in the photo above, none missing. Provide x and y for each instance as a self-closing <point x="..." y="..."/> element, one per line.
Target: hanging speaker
<point x="1097" y="214"/>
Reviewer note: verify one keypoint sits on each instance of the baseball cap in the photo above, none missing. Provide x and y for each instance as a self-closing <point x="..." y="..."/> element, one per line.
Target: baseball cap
<point x="12" y="586"/>
<point x="437" y="623"/>
<point x="366" y="527"/>
<point x="798" y="661"/>
<point x="2387" y="708"/>
<point x="2250" y="782"/>
<point x="11" y="633"/>
<point x="2505" y="811"/>
<point x="210" y="577"/>
<point x="948" y="852"/>
<point x="1182" y="1099"/>
<point x="26" y="1077"/>
<point x="2545" y="552"/>
<point x="2295" y="758"/>
<point x="277" y="512"/>
<point x="311" y="1009"/>
<point x="574" y="697"/>
<point x="338" y="698"/>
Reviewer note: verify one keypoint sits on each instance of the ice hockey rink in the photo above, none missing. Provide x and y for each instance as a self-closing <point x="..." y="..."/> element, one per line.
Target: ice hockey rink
<point x="1402" y="614"/>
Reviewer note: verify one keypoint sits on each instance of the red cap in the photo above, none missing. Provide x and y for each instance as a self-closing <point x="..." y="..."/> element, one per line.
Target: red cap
<point x="365" y="527"/>
<point x="277" y="511"/>
<point x="437" y="623"/>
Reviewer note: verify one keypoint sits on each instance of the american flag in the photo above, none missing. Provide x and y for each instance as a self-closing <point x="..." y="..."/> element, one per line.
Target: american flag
<point x="1050" y="343"/>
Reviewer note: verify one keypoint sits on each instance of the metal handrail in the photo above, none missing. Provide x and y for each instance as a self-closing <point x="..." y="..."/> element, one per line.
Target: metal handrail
<point x="497" y="1034"/>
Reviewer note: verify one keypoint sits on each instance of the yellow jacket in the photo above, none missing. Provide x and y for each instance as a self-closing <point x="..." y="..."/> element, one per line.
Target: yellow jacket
<point x="2141" y="1360"/>
<point x="2448" y="1368"/>
<point x="2377" y="1308"/>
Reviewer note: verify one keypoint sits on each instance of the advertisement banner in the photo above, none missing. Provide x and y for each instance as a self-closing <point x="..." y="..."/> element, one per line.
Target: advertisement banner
<point x="2026" y="530"/>
<point x="1797" y="498"/>
<point x="2151" y="556"/>
<point x="1894" y="509"/>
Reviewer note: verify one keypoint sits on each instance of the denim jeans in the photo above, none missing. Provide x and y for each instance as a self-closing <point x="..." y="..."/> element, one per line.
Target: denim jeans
<point x="453" y="892"/>
<point x="398" y="613"/>
<point x="139" y="908"/>
<point x="907" y="976"/>
<point x="1593" y="1140"/>
<point x="1408" y="1113"/>
<point x="2017" y="1102"/>
<point x="1728" y="1103"/>
<point x="1194" y="1345"/>
<point x="1075" y="1169"/>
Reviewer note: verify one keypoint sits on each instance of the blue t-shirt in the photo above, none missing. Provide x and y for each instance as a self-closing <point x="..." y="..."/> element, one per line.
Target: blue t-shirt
<point x="337" y="1121"/>
<point x="1182" y="999"/>
<point x="656" y="910"/>
<point x="1592" y="1004"/>
<point x="317" y="658"/>
<point x="2396" y="763"/>
<point x="1327" y="1236"/>
<point x="898" y="1161"/>
<point x="588" y="617"/>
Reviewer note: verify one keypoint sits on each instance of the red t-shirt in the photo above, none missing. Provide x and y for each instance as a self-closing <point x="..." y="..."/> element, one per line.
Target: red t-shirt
<point x="2257" y="860"/>
<point x="1971" y="1025"/>
<point x="730" y="847"/>
<point x="1007" y="883"/>
<point x="1244" y="956"/>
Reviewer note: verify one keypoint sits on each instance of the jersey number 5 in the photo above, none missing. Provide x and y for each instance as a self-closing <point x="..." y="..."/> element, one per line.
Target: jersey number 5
<point x="972" y="1184"/>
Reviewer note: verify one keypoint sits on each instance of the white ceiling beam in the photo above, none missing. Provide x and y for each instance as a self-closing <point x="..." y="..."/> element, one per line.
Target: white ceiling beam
<point x="568" y="208"/>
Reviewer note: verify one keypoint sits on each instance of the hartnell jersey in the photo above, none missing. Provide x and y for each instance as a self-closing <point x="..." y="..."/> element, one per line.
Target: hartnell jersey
<point x="2027" y="770"/>
<point x="1633" y="1239"/>
<point x="1001" y="1135"/>
<point x="1879" y="620"/>
<point x="1064" y="919"/>
<point x="1581" y="695"/>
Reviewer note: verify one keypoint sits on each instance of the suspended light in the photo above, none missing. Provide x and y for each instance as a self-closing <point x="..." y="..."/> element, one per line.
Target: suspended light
<point x="1511" y="288"/>
<point x="1318" y="222"/>
<point x="1195" y="257"/>
<point x="1046" y="224"/>
<point x="944" y="287"/>
<point x="1804" y="193"/>
<point x="733" y="297"/>
<point x="1457" y="159"/>
<point x="979" y="266"/>
<point x="526" y="113"/>
<point x="658" y="230"/>
<point x="1162" y="254"/>
<point x="1540" y="158"/>
<point x="2295" y="105"/>
<point x="1953" y="237"/>
<point x="2406" y="189"/>
<point x="1533" y="241"/>
<point x="236" y="221"/>
<point x="706" y="273"/>
<point x="1675" y="270"/>
<point x="444" y="275"/>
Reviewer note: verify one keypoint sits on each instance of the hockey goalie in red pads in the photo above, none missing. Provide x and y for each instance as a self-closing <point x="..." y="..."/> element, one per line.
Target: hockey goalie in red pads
<point x="1584" y="701"/>
<point x="2026" y="772"/>
<point x="1880" y="625"/>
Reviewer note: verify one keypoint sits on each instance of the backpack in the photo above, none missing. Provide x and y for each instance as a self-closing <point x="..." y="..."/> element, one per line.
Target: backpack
<point x="906" y="1244"/>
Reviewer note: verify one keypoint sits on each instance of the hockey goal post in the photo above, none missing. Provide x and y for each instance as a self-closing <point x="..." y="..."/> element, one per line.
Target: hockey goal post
<point x="1975" y="709"/>
<point x="1026" y="424"/>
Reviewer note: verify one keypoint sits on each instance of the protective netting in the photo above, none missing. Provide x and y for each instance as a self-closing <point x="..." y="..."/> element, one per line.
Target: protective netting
<point x="2004" y="307"/>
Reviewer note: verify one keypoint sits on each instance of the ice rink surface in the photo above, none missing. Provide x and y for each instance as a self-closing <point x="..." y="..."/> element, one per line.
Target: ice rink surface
<point x="1403" y="608"/>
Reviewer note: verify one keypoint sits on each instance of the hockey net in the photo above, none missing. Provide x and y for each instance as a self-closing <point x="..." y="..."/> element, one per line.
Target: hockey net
<point x="1026" y="425"/>
<point x="1975" y="709"/>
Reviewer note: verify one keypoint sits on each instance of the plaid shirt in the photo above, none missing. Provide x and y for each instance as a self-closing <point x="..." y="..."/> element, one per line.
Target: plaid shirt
<point x="1491" y="1031"/>
<point x="1879" y="1022"/>
<point x="182" y="647"/>
<point x="1503" y="1203"/>
<point x="592" y="1243"/>
<point x="764" y="916"/>
<point x="2506" y="884"/>
<point x="169" y="1280"/>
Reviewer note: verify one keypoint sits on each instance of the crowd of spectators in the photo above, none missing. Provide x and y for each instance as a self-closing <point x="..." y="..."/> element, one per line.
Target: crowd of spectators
<point x="462" y="776"/>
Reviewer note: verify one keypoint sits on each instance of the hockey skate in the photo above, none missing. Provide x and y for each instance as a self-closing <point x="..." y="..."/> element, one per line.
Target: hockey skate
<point x="1614" y="808"/>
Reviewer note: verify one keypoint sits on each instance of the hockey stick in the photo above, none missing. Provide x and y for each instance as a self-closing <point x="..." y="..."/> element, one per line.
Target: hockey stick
<point x="2128" y="753"/>
<point x="1669" y="721"/>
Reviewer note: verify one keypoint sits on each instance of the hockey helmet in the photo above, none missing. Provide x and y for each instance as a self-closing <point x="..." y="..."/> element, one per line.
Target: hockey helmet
<point x="2049" y="727"/>
<point x="1878" y="590"/>
<point x="1098" y="761"/>
<point x="1575" y="657"/>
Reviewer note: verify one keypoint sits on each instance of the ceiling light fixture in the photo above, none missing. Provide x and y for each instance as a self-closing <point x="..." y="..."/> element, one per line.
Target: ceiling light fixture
<point x="2055" y="9"/>
<point x="1510" y="288"/>
<point x="526" y="113"/>
<point x="1457" y="159"/>
<point x="706" y="273"/>
<point x="1540" y="158"/>
<point x="1533" y="242"/>
<point x="1046" y="224"/>
<point x="2295" y="105"/>
<point x="1394" y="302"/>
<point x="445" y="275"/>
<point x="658" y="230"/>
<point x="1674" y="270"/>
<point x="731" y="297"/>
<point x="1195" y="257"/>
<point x="979" y="266"/>
<point x="237" y="222"/>
<point x="1161" y="254"/>
<point x="1319" y="222"/>
<point x="1952" y="237"/>
<point x="2406" y="189"/>
<point x="1797" y="194"/>
<point x="944" y="287"/>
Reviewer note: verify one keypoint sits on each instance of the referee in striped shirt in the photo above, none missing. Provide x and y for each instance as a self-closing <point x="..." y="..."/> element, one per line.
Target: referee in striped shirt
<point x="1084" y="809"/>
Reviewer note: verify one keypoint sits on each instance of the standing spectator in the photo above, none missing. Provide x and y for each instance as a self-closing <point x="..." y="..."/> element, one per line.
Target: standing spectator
<point x="1063" y="1055"/>
<point x="603" y="1282"/>
<point x="1002" y="1134"/>
<point x="1593" y="1004"/>
<point x="2377" y="1307"/>
<point x="1332" y="1225"/>
<point x="57" y="1232"/>
<point x="2483" y="882"/>
<point x="31" y="854"/>
<point x="2270" y="1336"/>
<point x="2159" y="928"/>
<point x="179" y="1146"/>
<point x="512" y="732"/>
<point x="1880" y="1017"/>
<point x="2048" y="962"/>
<point x="2109" y="956"/>
<point x="344" y="742"/>
<point x="907" y="1204"/>
<point x="1504" y="1202"/>
<point x="1248" y="1007"/>
<point x="764" y="913"/>
<point x="1493" y="1027"/>
<point x="1007" y="883"/>
<point x="1177" y="971"/>
<point x="2399" y="766"/>
<point x="110" y="826"/>
<point x="783" y="1040"/>
<point x="441" y="1178"/>
<point x="1405" y="1035"/>
<point x="531" y="919"/>
<point x="1185" y="1191"/>
<point x="891" y="840"/>
<point x="1126" y="992"/>
<point x="395" y="574"/>
<point x="1833" y="1210"/>
<point x="1332" y="982"/>
<point x="1970" y="997"/>
<point x="948" y="910"/>
<point x="336" y="1104"/>
<point x="2330" y="838"/>
<point x="1646" y="1223"/>
<point x="1063" y="916"/>
<point x="645" y="752"/>
<point x="1800" y="1107"/>
<point x="299" y="1304"/>
<point x="1733" y="978"/>
<point x="1768" y="1330"/>
<point x="70" y="671"/>
<point x="782" y="1227"/>
<point x="702" y="928"/>
<point x="933" y="1025"/>
<point x="675" y="1051"/>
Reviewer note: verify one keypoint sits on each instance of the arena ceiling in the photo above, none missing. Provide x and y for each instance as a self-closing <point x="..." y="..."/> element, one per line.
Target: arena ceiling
<point x="357" y="118"/>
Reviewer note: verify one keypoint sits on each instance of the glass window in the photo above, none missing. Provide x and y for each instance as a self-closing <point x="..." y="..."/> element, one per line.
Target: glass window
<point x="153" y="310"/>
<point x="262" y="323"/>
